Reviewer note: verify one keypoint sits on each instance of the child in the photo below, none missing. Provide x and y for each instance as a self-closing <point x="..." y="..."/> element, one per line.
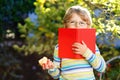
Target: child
<point x="76" y="69"/>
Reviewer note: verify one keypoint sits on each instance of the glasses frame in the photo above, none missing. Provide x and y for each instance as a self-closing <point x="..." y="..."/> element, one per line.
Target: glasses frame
<point x="81" y="23"/>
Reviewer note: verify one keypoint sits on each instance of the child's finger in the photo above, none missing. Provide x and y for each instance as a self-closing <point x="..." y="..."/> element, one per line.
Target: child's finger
<point x="83" y="43"/>
<point x="76" y="45"/>
<point x="75" y="49"/>
<point x="46" y="66"/>
<point x="43" y="66"/>
<point x="50" y="64"/>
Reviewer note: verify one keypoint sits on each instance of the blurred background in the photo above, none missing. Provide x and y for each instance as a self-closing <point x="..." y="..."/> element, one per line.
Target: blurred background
<point x="28" y="31"/>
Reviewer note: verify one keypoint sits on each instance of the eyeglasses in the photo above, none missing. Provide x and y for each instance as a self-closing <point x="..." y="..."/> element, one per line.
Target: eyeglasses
<point x="74" y="23"/>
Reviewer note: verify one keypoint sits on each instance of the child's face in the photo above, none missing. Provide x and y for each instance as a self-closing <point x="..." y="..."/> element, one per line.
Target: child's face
<point x="75" y="22"/>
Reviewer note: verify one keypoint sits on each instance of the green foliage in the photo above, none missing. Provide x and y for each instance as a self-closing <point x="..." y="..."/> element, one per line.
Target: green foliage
<point x="9" y="64"/>
<point x="108" y="19"/>
<point x="12" y="12"/>
<point x="1" y="31"/>
<point x="108" y="51"/>
<point x="113" y="73"/>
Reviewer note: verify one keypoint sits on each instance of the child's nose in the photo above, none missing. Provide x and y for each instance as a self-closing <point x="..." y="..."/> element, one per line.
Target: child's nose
<point x="77" y="25"/>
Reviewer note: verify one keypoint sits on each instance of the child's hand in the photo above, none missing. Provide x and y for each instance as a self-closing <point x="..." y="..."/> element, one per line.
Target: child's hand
<point x="46" y="63"/>
<point x="79" y="48"/>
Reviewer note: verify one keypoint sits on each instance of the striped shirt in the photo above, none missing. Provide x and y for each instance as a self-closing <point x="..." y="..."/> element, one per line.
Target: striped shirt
<point x="77" y="69"/>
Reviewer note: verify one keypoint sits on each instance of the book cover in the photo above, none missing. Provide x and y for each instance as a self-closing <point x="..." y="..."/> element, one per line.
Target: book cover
<point x="67" y="37"/>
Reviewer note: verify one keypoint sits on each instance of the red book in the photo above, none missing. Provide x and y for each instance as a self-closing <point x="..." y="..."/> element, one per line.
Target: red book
<point x="66" y="38"/>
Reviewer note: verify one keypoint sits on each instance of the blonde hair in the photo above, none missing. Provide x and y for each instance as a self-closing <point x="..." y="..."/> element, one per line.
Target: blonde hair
<point x="82" y="12"/>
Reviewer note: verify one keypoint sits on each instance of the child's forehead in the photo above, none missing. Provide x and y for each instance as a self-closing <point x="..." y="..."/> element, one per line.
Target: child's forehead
<point x="74" y="15"/>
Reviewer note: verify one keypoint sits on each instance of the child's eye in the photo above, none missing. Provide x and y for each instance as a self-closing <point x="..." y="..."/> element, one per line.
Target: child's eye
<point x="72" y="21"/>
<point x="82" y="23"/>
